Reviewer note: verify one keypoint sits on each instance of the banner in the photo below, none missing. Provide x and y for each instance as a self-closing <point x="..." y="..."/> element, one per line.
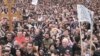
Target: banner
<point x="34" y="2"/>
<point x="84" y="14"/>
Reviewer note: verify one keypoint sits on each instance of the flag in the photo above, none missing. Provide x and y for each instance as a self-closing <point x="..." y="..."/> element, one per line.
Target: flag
<point x="84" y="14"/>
<point x="34" y="2"/>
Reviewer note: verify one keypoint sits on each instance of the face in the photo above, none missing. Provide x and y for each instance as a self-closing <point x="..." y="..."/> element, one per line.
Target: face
<point x="31" y="39"/>
<point x="27" y="39"/>
<point x="58" y="41"/>
<point x="52" y="48"/>
<point x="41" y="52"/>
<point x="9" y="36"/>
<point x="37" y="31"/>
<point x="46" y="36"/>
<point x="65" y="42"/>
<point x="29" y="46"/>
<point x="18" y="52"/>
<point x="7" y="51"/>
<point x="19" y="34"/>
<point x="65" y="33"/>
<point x="24" y="33"/>
<point x="6" y="54"/>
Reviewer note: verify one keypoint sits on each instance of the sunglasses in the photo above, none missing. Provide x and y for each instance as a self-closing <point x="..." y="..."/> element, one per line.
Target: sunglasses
<point x="6" y="50"/>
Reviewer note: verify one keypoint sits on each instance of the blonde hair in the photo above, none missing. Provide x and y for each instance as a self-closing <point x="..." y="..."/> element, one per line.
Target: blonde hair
<point x="65" y="40"/>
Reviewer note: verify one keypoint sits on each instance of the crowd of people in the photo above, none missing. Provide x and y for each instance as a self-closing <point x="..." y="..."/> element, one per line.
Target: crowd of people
<point x="47" y="29"/>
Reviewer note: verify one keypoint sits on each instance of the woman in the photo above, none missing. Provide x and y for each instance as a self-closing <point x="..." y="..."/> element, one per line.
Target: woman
<point x="18" y="52"/>
<point x="52" y="50"/>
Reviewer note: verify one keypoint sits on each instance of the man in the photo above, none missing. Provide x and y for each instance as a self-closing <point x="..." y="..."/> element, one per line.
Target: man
<point x="19" y="39"/>
<point x="30" y="50"/>
<point x="47" y="41"/>
<point x="76" y="48"/>
<point x="7" y="51"/>
<point x="38" y="37"/>
<point x="65" y="47"/>
<point x="7" y="39"/>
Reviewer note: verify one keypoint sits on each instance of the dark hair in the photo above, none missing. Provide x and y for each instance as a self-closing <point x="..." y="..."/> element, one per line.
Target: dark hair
<point x="20" y="52"/>
<point x="30" y="43"/>
<point x="51" y="45"/>
<point x="12" y="35"/>
<point x="8" y="33"/>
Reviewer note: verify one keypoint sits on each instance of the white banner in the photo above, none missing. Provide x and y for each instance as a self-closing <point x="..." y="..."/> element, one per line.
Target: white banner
<point x="84" y="14"/>
<point x="34" y="2"/>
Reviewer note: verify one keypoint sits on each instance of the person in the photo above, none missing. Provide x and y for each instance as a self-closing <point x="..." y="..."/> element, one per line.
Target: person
<point x="53" y="51"/>
<point x="8" y="38"/>
<point x="64" y="47"/>
<point x="51" y="26"/>
<point x="19" y="39"/>
<point x="38" y="37"/>
<point x="47" y="41"/>
<point x="41" y="52"/>
<point x="97" y="52"/>
<point x="30" y="50"/>
<point x="67" y="53"/>
<point x="18" y="52"/>
<point x="76" y="48"/>
<point x="7" y="51"/>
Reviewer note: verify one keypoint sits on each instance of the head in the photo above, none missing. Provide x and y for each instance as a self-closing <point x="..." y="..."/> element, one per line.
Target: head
<point x="18" y="52"/>
<point x="27" y="39"/>
<point x="47" y="36"/>
<point x="65" y="42"/>
<point x="57" y="41"/>
<point x="24" y="34"/>
<point x="9" y="36"/>
<point x="19" y="34"/>
<point x="65" y="33"/>
<point x="29" y="46"/>
<point x="41" y="52"/>
<point x="67" y="53"/>
<point x="7" y="51"/>
<point x="52" y="48"/>
<point x="37" y="31"/>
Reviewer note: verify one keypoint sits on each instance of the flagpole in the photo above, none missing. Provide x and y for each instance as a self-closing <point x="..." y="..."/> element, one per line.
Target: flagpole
<point x="91" y="39"/>
<point x="92" y="14"/>
<point x="81" y="39"/>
